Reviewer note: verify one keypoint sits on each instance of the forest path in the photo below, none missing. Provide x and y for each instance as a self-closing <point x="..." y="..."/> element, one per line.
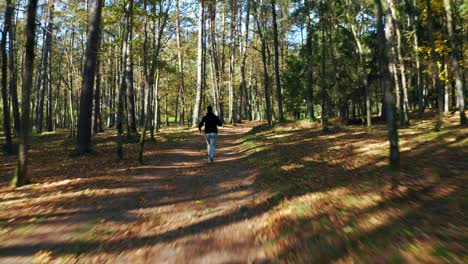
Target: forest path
<point x="207" y="212"/>
<point x="176" y="208"/>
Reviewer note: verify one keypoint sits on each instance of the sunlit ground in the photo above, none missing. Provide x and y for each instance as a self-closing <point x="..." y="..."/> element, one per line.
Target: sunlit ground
<point x="330" y="197"/>
<point x="339" y="205"/>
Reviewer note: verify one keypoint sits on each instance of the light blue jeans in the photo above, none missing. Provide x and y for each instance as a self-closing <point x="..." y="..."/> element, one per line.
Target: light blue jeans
<point x="211" y="144"/>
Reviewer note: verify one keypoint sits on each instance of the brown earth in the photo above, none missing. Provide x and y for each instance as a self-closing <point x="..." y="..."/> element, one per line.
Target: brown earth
<point x="177" y="208"/>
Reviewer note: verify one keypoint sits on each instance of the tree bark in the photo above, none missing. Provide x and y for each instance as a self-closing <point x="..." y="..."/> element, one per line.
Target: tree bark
<point x="243" y="85"/>
<point x="455" y="64"/>
<point x="404" y="118"/>
<point x="43" y="79"/>
<point x="89" y="74"/>
<point x="200" y="78"/>
<point x="266" y="77"/>
<point x="6" y="105"/>
<point x="362" y="73"/>
<point x="150" y="93"/>
<point x="310" y="78"/>
<point x="13" y="70"/>
<point x="181" y="92"/>
<point x="324" y="114"/>
<point x="97" y="119"/>
<point x="410" y="9"/>
<point x="49" y="112"/>
<point x="279" y="96"/>
<point x="232" y="47"/>
<point x="21" y="176"/>
<point x="130" y="91"/>
<point x="435" y="69"/>
<point x="215" y="61"/>
<point x="387" y="68"/>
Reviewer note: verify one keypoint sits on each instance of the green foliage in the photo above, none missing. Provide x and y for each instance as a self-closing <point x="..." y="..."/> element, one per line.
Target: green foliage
<point x="294" y="86"/>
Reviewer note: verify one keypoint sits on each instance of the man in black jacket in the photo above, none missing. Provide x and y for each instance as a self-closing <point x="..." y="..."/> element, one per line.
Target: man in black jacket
<point x="211" y="122"/>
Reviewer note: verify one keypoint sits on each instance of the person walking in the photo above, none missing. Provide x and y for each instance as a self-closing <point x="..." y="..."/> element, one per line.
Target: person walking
<point x="211" y="123"/>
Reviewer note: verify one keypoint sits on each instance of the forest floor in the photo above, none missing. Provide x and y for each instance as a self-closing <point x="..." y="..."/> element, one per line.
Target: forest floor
<point x="287" y="194"/>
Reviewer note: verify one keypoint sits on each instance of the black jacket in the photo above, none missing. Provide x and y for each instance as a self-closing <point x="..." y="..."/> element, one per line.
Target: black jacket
<point x="211" y="122"/>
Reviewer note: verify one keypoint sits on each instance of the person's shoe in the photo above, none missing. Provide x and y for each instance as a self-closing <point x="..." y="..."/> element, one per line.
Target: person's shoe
<point x="211" y="160"/>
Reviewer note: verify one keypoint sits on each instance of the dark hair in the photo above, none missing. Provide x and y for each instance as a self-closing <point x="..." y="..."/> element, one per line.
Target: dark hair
<point x="209" y="109"/>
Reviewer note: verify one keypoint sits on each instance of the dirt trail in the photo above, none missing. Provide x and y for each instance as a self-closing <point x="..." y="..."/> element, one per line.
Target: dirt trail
<point x="209" y="210"/>
<point x="177" y="208"/>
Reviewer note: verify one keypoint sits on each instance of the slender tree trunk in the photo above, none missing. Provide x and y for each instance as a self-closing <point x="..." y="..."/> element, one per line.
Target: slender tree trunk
<point x="97" y="119"/>
<point x="243" y="86"/>
<point x="49" y="112"/>
<point x="181" y="66"/>
<point x="122" y="89"/>
<point x="215" y="61"/>
<point x="323" y="83"/>
<point x="413" y="25"/>
<point x="404" y="118"/>
<point x="157" y="103"/>
<point x="130" y="91"/>
<point x="455" y="64"/>
<point x="141" y="110"/>
<point x="89" y="74"/>
<point x="13" y="70"/>
<point x="279" y="96"/>
<point x="363" y="73"/>
<point x="435" y="69"/>
<point x="149" y="118"/>
<point x="70" y="99"/>
<point x="447" y="87"/>
<point x="198" y="96"/>
<point x="44" y="81"/>
<point x="387" y="68"/>
<point x="21" y="176"/>
<point x="6" y="105"/>
<point x="232" y="47"/>
<point x="120" y="112"/>
<point x="310" y="78"/>
<point x="37" y="81"/>
<point x="266" y="77"/>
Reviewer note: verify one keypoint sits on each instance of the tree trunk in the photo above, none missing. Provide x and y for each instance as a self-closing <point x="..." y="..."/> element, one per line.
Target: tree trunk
<point x="97" y="120"/>
<point x="21" y="176"/>
<point x="266" y="77"/>
<point x="413" y="25"/>
<point x="447" y="87"/>
<point x="89" y="74"/>
<point x="215" y="61"/>
<point x="435" y="69"/>
<point x="6" y="105"/>
<point x="243" y="86"/>
<point x="130" y="91"/>
<point x="232" y="47"/>
<point x="181" y="67"/>
<point x="43" y="79"/>
<point x="149" y="118"/>
<point x="200" y="77"/>
<point x="362" y="73"/>
<point x="279" y="96"/>
<point x="310" y="78"/>
<point x="455" y="64"/>
<point x="157" y="103"/>
<point x="323" y="84"/>
<point x="120" y="110"/>
<point x="404" y="118"/>
<point x="387" y="67"/>
<point x="49" y="112"/>
<point x="70" y="98"/>
<point x="13" y="70"/>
